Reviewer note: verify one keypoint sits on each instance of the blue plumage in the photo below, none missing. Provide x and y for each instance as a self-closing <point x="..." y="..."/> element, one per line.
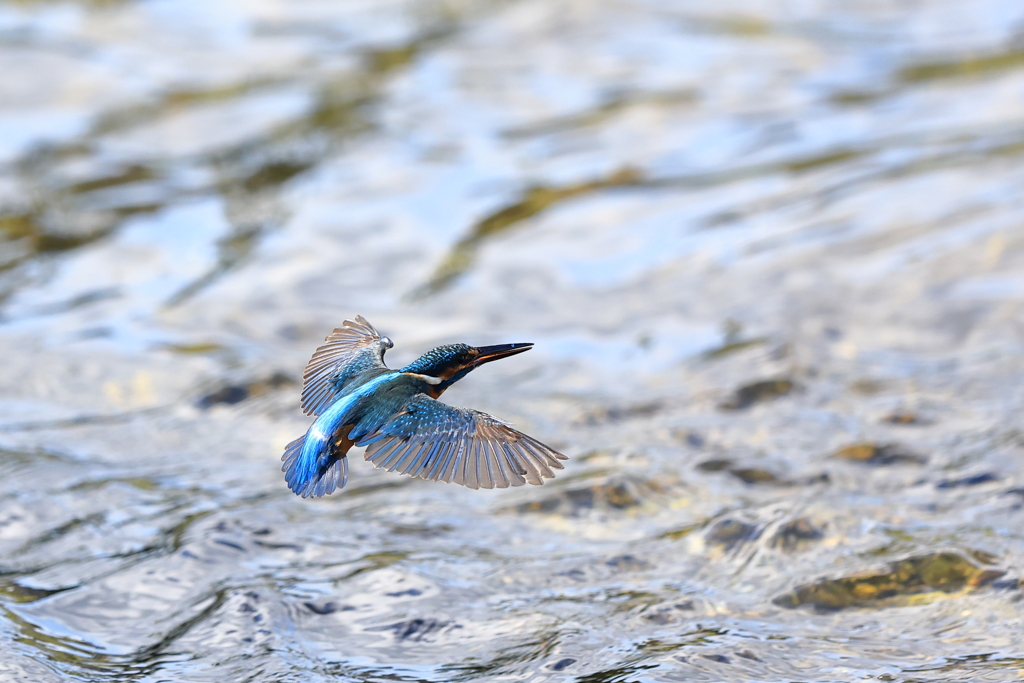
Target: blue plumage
<point x="314" y="457"/>
<point x="317" y="474"/>
<point x="395" y="414"/>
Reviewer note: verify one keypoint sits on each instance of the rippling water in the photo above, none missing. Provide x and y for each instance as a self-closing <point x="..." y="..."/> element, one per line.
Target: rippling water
<point x="770" y="254"/>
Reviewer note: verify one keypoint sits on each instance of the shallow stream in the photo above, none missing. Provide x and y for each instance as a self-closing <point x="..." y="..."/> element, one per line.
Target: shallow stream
<point x="771" y="255"/>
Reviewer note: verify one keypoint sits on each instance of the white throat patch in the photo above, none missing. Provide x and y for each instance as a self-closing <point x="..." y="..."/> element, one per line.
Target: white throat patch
<point x="426" y="378"/>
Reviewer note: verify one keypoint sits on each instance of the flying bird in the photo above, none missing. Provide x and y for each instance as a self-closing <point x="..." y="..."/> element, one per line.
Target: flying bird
<point x="359" y="401"/>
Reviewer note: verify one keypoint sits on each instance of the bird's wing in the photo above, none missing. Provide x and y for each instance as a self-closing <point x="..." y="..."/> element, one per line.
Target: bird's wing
<point x="351" y="349"/>
<point x="431" y="440"/>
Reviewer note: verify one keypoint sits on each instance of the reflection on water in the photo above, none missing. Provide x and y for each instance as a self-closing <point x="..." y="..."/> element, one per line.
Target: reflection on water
<point x="770" y="258"/>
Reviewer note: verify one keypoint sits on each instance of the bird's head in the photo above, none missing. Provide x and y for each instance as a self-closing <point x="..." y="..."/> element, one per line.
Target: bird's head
<point x="452" y="362"/>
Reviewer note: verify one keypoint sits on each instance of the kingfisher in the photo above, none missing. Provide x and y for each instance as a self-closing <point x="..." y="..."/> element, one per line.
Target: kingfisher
<point x="395" y="414"/>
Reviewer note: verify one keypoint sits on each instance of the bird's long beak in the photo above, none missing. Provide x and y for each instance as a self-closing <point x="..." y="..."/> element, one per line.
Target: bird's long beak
<point x="489" y="353"/>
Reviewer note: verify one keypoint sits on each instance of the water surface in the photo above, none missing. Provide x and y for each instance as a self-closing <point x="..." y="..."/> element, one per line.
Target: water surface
<point x="770" y="255"/>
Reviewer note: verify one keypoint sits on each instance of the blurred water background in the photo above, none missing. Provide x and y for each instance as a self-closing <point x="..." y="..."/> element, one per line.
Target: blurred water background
<point x="771" y="254"/>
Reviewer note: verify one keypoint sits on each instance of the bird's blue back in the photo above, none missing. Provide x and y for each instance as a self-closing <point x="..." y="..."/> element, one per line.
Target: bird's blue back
<point x="366" y="403"/>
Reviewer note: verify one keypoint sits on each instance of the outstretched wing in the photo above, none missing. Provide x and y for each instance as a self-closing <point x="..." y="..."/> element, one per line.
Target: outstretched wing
<point x="350" y="350"/>
<point x="434" y="441"/>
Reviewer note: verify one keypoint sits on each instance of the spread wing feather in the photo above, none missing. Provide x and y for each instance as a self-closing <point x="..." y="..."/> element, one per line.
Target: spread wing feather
<point x="348" y="351"/>
<point x="431" y="440"/>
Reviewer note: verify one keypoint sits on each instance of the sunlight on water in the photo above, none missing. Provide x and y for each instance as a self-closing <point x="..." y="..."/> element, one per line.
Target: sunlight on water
<point x="769" y="255"/>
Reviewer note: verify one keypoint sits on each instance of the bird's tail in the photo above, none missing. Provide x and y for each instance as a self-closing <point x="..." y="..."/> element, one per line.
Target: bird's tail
<point x="314" y="474"/>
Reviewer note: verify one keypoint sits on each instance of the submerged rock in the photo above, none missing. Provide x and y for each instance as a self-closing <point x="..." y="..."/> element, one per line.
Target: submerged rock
<point x="730" y="533"/>
<point x="616" y="494"/>
<point x="758" y="392"/>
<point x="236" y="393"/>
<point x="875" y="454"/>
<point x="795" y="535"/>
<point x="915" y="580"/>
